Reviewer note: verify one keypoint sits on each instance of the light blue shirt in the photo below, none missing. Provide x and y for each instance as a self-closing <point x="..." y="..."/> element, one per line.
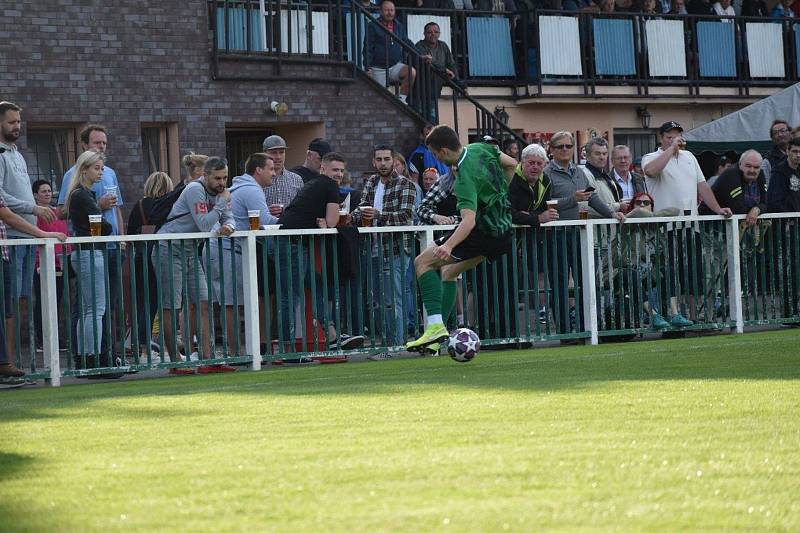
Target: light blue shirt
<point x="109" y="179"/>
<point x="627" y="186"/>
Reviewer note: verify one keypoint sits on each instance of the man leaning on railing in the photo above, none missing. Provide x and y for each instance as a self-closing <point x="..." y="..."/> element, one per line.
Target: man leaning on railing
<point x="7" y="368"/>
<point x="246" y="197"/>
<point x="203" y="204"/>
<point x="569" y="186"/>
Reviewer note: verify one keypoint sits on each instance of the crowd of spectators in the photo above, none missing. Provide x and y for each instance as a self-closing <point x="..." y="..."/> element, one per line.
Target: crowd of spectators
<point x="722" y="8"/>
<point x="375" y="269"/>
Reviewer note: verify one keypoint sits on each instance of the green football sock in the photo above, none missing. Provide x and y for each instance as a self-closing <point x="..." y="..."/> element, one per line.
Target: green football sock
<point x="448" y="299"/>
<point x="430" y="288"/>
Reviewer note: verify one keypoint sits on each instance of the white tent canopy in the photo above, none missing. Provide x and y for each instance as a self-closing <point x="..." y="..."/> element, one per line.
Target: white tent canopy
<point x="752" y="123"/>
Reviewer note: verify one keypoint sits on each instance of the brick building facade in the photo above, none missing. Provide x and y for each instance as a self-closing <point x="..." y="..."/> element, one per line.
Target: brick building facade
<point x="144" y="68"/>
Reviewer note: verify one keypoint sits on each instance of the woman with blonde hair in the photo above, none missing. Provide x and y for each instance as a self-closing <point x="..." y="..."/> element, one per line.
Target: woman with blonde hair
<point x="193" y="163"/>
<point x="88" y="261"/>
<point x="157" y="185"/>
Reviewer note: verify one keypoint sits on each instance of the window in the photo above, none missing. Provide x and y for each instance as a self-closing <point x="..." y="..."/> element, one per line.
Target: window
<point x="639" y="141"/>
<point x="51" y="151"/>
<point x="160" y="150"/>
<point x="240" y="143"/>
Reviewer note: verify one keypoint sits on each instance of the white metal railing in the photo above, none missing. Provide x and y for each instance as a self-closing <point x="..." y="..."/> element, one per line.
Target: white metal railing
<point x="50" y="334"/>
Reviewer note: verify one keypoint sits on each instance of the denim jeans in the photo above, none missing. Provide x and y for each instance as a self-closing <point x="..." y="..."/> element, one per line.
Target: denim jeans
<point x="388" y="295"/>
<point x="7" y="273"/>
<point x="565" y="253"/>
<point x="25" y="257"/>
<point x="91" y="299"/>
<point x="294" y="264"/>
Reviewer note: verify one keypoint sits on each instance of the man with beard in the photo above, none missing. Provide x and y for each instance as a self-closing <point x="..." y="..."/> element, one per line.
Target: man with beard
<point x="388" y="200"/>
<point x="202" y="204"/>
<point x="15" y="187"/>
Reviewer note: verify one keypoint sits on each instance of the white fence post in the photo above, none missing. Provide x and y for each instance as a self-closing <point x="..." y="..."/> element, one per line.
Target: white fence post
<point x="252" y="326"/>
<point x="49" y="299"/>
<point x="589" y="284"/>
<point x="734" y="274"/>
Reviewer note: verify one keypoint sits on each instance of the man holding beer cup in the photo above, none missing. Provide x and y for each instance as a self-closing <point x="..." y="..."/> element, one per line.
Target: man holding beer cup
<point x="674" y="178"/>
<point x="388" y="200"/>
<point x="316" y="205"/>
<point x="570" y="187"/>
<point x="250" y="211"/>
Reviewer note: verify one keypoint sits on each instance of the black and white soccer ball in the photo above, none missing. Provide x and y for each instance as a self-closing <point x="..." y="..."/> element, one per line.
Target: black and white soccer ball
<point x="463" y="345"/>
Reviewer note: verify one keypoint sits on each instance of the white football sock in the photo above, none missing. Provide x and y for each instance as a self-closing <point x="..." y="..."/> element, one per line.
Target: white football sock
<point x="434" y="319"/>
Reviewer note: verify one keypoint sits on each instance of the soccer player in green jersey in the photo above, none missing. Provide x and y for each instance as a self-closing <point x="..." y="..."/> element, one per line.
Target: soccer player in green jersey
<point x="481" y="188"/>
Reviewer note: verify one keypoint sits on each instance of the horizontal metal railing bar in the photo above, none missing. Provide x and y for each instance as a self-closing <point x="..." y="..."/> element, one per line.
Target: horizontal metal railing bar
<point x="381" y="229"/>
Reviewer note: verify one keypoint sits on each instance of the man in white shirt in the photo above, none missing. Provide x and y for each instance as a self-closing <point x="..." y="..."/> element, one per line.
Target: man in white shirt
<point x="674" y="177"/>
<point x="630" y="182"/>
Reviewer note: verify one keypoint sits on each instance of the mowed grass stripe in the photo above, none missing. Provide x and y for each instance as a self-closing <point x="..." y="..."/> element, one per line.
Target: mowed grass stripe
<point x="671" y="434"/>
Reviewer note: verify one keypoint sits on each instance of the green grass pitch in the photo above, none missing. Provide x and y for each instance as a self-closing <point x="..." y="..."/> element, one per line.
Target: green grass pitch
<point x="699" y="433"/>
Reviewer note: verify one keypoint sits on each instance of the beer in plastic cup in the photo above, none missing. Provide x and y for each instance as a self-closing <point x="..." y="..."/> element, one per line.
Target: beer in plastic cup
<point x="95" y="225"/>
<point x="583" y="210"/>
<point x="111" y="190"/>
<point x="342" y="218"/>
<point x="254" y="216"/>
<point x="552" y="204"/>
<point x="365" y="223"/>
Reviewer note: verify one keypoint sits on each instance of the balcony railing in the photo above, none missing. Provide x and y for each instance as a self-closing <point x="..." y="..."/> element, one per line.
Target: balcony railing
<point x="534" y="50"/>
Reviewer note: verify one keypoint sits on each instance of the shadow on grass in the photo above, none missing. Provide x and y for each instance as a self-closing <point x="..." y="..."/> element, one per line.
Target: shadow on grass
<point x="15" y="513"/>
<point x="756" y="356"/>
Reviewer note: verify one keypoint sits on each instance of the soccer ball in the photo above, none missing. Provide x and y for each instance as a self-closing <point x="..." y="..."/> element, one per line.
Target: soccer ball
<point x="463" y="345"/>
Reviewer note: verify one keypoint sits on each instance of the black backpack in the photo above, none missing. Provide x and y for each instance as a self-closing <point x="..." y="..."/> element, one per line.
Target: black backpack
<point x="158" y="214"/>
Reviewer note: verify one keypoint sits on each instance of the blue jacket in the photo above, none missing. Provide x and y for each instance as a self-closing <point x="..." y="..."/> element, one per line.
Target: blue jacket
<point x="379" y="46"/>
<point x="428" y="160"/>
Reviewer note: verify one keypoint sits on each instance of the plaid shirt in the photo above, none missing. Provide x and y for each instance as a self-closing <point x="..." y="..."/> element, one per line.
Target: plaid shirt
<point x="284" y="188"/>
<point x="433" y="198"/>
<point x="3" y="234"/>
<point x="398" y="204"/>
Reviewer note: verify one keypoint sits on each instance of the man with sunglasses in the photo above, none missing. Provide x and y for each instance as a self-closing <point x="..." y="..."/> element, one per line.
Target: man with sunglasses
<point x="568" y="185"/>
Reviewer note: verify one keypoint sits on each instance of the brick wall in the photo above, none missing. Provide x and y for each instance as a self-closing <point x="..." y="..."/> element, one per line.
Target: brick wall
<point x="130" y="62"/>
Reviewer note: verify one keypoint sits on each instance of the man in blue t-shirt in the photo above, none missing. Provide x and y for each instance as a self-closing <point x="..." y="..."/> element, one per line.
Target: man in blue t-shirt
<point x="109" y="198"/>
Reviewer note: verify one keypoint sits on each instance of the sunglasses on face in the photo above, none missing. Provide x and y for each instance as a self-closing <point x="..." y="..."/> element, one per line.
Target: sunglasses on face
<point x="563" y="146"/>
<point x="643" y="203"/>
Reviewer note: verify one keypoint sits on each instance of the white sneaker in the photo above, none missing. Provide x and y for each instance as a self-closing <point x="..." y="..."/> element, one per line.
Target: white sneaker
<point x="155" y="358"/>
<point x="380" y="356"/>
